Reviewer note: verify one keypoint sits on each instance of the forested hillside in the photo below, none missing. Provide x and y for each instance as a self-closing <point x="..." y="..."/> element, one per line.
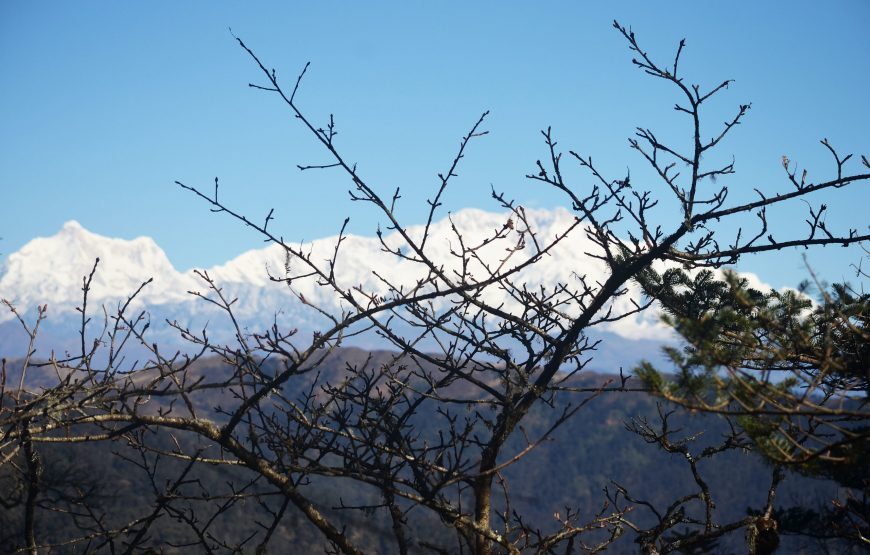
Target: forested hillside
<point x="107" y="484"/>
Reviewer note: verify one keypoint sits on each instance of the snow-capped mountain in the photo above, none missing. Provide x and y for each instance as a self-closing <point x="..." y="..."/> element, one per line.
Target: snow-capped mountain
<point x="50" y="271"/>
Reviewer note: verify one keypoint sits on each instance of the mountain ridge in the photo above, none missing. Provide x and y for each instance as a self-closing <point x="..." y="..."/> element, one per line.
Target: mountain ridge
<point x="50" y="270"/>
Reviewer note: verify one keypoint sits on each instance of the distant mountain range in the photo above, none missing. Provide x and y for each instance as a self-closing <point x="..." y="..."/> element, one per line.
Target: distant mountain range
<point x="50" y="270"/>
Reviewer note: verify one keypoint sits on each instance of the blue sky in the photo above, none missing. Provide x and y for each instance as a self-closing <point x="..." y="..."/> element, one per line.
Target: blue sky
<point x="106" y="104"/>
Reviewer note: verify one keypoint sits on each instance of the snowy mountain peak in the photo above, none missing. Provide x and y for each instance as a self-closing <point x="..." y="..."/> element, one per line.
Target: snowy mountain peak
<point x="72" y="226"/>
<point x="51" y="269"/>
<point x="74" y="231"/>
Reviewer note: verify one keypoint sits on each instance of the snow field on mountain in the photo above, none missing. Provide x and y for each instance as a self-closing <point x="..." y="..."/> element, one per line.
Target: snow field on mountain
<point x="50" y="270"/>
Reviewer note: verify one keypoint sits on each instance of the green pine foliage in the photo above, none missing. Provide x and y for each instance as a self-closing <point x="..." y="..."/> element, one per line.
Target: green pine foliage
<point x="791" y="372"/>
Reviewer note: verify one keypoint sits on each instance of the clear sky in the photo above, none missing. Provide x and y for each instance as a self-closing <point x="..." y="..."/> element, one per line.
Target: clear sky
<point x="106" y="104"/>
